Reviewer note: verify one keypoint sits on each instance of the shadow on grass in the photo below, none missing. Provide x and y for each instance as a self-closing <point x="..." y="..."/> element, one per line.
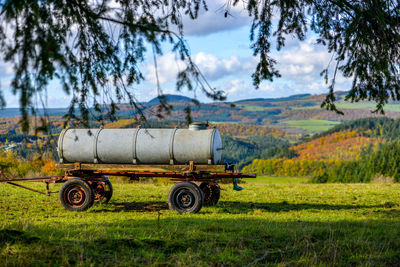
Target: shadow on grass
<point x="233" y="207"/>
<point x="211" y="241"/>
<point x="135" y="206"/>
<point x="244" y="207"/>
<point x="14" y="236"/>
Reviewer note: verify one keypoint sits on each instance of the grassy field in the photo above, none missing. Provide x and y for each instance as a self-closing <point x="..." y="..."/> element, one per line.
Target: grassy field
<point x="273" y="221"/>
<point x="313" y="125"/>
<point x="255" y="108"/>
<point x="367" y="105"/>
<point x="356" y="105"/>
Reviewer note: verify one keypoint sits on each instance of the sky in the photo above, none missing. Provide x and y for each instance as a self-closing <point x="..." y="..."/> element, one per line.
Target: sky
<point x="220" y="46"/>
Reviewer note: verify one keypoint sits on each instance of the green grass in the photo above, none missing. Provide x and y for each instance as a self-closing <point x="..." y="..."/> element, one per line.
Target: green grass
<point x="313" y="125"/>
<point x="359" y="105"/>
<point x="256" y="108"/>
<point x="289" y="223"/>
<point x="367" y="105"/>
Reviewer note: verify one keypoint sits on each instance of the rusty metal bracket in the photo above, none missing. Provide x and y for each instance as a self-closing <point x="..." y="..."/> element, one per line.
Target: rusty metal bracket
<point x="47" y="193"/>
<point x="77" y="166"/>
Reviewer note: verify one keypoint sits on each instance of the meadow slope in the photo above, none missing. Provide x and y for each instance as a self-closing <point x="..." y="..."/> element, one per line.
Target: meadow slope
<point x="273" y="221"/>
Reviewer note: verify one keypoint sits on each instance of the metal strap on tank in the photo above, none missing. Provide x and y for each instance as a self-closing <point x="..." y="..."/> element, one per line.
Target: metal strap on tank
<point x="171" y="147"/>
<point x="61" y="145"/>
<point x="96" y="159"/>
<point x="211" y="152"/>
<point x="134" y="157"/>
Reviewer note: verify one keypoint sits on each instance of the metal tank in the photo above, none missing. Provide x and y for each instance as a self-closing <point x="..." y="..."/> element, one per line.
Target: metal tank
<point x="141" y="145"/>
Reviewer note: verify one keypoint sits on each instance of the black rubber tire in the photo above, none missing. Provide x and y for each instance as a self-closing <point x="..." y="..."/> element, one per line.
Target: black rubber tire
<point x="103" y="191"/>
<point x="212" y="193"/>
<point x="185" y="197"/>
<point x="76" y="195"/>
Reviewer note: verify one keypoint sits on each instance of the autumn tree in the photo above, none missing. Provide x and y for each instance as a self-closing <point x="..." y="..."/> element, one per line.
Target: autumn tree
<point x="94" y="48"/>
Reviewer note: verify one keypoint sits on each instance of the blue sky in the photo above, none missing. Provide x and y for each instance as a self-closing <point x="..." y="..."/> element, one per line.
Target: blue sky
<point x="221" y="48"/>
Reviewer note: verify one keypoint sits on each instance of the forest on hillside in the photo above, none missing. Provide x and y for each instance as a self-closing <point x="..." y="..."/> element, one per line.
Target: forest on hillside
<point x="355" y="151"/>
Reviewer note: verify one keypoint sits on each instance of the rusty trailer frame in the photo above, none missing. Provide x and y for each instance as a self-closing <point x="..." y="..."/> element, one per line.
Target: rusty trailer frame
<point x="85" y="183"/>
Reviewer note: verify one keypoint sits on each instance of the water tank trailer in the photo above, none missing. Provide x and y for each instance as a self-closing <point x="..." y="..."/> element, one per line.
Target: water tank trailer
<point x="190" y="157"/>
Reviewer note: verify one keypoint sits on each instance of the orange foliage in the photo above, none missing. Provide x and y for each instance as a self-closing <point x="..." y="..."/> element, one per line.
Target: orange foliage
<point x="49" y="168"/>
<point x="337" y="146"/>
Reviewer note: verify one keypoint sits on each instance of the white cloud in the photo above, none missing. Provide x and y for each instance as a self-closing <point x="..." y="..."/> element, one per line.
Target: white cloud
<point x="208" y="21"/>
<point x="239" y="89"/>
<point x="214" y="20"/>
<point x="6" y="69"/>
<point x="305" y="58"/>
<point x="235" y="87"/>
<point x="267" y="87"/>
<point x="215" y="68"/>
<point x="211" y="66"/>
<point x="301" y="65"/>
<point x="298" y="69"/>
<point x="168" y="66"/>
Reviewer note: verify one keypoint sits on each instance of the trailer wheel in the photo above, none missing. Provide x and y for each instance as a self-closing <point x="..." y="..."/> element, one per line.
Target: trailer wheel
<point x="103" y="191"/>
<point x="76" y="195"/>
<point x="212" y="192"/>
<point x="185" y="197"/>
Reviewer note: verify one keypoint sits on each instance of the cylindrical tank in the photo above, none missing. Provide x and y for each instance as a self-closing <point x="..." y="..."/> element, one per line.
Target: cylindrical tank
<point x="141" y="146"/>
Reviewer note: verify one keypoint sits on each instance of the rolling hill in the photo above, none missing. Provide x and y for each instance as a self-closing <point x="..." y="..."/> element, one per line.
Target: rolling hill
<point x="355" y="151"/>
<point x="297" y="114"/>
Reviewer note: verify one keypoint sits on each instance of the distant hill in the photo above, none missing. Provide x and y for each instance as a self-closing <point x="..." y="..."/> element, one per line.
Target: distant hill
<point x="297" y="114"/>
<point x="15" y="112"/>
<point x="171" y="99"/>
<point x="347" y="140"/>
<point x="267" y="100"/>
<point x="277" y="112"/>
<point x="339" y="154"/>
<point x="386" y="128"/>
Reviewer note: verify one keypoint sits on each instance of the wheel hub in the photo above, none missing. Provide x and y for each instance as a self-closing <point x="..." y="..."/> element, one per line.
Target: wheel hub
<point x="185" y="199"/>
<point x="76" y="196"/>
